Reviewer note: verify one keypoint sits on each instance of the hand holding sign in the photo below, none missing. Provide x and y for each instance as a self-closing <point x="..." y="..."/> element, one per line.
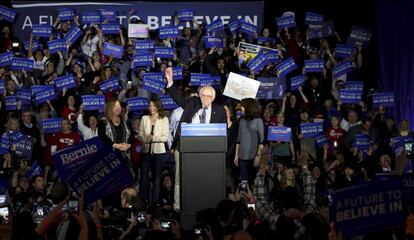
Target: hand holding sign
<point x="169" y="75"/>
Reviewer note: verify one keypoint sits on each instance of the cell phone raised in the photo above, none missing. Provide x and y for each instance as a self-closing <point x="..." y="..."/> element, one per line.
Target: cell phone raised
<point x="165" y="225"/>
<point x="243" y="186"/>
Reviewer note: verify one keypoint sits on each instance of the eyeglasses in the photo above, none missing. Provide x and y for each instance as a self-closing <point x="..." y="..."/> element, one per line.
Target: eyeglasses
<point x="206" y="96"/>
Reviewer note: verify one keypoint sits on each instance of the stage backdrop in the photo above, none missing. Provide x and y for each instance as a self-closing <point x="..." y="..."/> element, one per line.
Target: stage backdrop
<point x="396" y="54"/>
<point x="155" y="14"/>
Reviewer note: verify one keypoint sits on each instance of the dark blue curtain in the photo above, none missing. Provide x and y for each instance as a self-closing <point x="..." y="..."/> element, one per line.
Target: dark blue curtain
<point x="395" y="29"/>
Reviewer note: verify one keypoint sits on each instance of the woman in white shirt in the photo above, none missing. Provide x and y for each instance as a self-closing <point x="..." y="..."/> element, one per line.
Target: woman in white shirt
<point x="154" y="133"/>
<point x="91" y="129"/>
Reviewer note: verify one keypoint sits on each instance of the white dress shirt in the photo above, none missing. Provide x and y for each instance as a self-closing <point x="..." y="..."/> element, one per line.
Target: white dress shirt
<point x="196" y="117"/>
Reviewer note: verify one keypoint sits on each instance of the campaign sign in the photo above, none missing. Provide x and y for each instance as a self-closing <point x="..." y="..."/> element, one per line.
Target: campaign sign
<point x="362" y="142"/>
<point x="195" y="78"/>
<point x="36" y="88"/>
<point x="108" y="15"/>
<point x="110" y="49"/>
<point x="110" y="28"/>
<point x="185" y="15"/>
<point x="286" y="67"/>
<point x="7" y="13"/>
<point x="137" y="30"/>
<point x="206" y="130"/>
<point x="66" y="14"/>
<point x="35" y="45"/>
<point x="70" y="159"/>
<point x="350" y="96"/>
<point x="215" y="26"/>
<point x="343" y="51"/>
<point x="154" y="76"/>
<point x="91" y="17"/>
<point x="2" y="86"/>
<point x="42" y="30"/>
<point x="280" y="134"/>
<point x="211" y="41"/>
<point x="310" y="130"/>
<point x="248" y="28"/>
<point x="369" y="207"/>
<point x="286" y="22"/>
<point x="6" y="59"/>
<point x="66" y="81"/>
<point x="73" y="34"/>
<point x="110" y="85"/>
<point x="24" y="95"/>
<point x="11" y="103"/>
<point x="272" y="56"/>
<point x="142" y="59"/>
<point x="20" y="64"/>
<point x="168" y="103"/>
<point x="154" y="86"/>
<point x="164" y="52"/>
<point x="169" y="32"/>
<point x="271" y="88"/>
<point x="240" y="87"/>
<point x="52" y="125"/>
<point x="258" y="63"/>
<point x="296" y="82"/>
<point x="177" y="73"/>
<point x="137" y="103"/>
<point x="354" y="86"/>
<point x="315" y="31"/>
<point x="314" y="66"/>
<point x="321" y="140"/>
<point x="234" y="25"/>
<point x="46" y="93"/>
<point x="104" y="174"/>
<point x="383" y="99"/>
<point x="24" y="147"/>
<point x="35" y="169"/>
<point x="313" y="18"/>
<point x="359" y="35"/>
<point x="342" y="68"/>
<point x="144" y="44"/>
<point x="57" y="45"/>
<point x="261" y="40"/>
<point x="211" y="81"/>
<point x="93" y="102"/>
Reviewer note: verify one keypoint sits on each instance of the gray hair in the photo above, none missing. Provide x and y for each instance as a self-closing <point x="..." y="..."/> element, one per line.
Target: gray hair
<point x="212" y="90"/>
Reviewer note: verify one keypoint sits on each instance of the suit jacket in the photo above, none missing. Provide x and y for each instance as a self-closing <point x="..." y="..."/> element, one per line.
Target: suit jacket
<point x="160" y="134"/>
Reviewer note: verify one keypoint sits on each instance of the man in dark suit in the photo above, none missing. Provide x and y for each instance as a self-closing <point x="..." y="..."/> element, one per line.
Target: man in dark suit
<point x="199" y="109"/>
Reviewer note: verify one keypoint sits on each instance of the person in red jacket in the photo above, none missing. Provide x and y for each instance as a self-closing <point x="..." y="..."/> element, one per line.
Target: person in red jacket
<point x="335" y="134"/>
<point x="69" y="111"/>
<point x="66" y="137"/>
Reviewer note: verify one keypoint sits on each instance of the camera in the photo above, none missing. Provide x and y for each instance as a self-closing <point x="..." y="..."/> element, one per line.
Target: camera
<point x="141" y="217"/>
<point x="73" y="206"/>
<point x="408" y="147"/>
<point x="165" y="225"/>
<point x="243" y="186"/>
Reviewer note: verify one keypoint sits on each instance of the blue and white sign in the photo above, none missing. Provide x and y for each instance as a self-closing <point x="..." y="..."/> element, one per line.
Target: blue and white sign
<point x="24" y="147"/>
<point x="142" y="59"/>
<point x="20" y="64"/>
<point x="46" y="93"/>
<point x="144" y="44"/>
<point x="2" y="86"/>
<point x="360" y="36"/>
<point x="248" y="28"/>
<point x="321" y="140"/>
<point x="110" y="49"/>
<point x="35" y="45"/>
<point x="354" y="86"/>
<point x="342" y="68"/>
<point x="185" y="15"/>
<point x="286" y="67"/>
<point x="154" y="86"/>
<point x="234" y="26"/>
<point x="36" y="88"/>
<point x="6" y="59"/>
<point x="343" y="51"/>
<point x="169" y="32"/>
<point x="271" y="88"/>
<point x="164" y="52"/>
<point x="93" y="102"/>
<point x="362" y="142"/>
<point x="24" y="95"/>
<point x="108" y="15"/>
<point x="168" y="103"/>
<point x="91" y="17"/>
<point x="137" y="104"/>
<point x="110" y="28"/>
<point x="203" y="130"/>
<point x="66" y="14"/>
<point x="272" y="56"/>
<point x="73" y="35"/>
<point x="383" y="99"/>
<point x="195" y="78"/>
<point x="296" y="82"/>
<point x="212" y="81"/>
<point x="261" y="40"/>
<point x="257" y="63"/>
<point x="211" y="41"/>
<point x="57" y="45"/>
<point x="286" y="22"/>
<point x="279" y="134"/>
<point x="110" y="85"/>
<point x="66" y="81"/>
<point x="310" y="130"/>
<point x="177" y="73"/>
<point x="11" y="103"/>
<point x="313" y="18"/>
<point x="42" y="30"/>
<point x="7" y="13"/>
<point x="52" y="125"/>
<point x="350" y="96"/>
<point x="154" y="76"/>
<point x="314" y="66"/>
<point x="215" y="26"/>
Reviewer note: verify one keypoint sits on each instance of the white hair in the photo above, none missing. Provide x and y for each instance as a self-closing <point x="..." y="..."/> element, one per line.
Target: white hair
<point x="212" y="90"/>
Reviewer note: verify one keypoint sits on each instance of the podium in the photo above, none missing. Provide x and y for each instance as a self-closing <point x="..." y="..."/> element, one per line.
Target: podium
<point x="202" y="162"/>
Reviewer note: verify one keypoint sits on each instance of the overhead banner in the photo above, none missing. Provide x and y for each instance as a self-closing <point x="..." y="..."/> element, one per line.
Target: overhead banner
<point x="155" y="14"/>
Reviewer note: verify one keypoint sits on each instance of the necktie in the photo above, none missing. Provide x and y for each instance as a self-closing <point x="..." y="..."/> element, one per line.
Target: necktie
<point x="203" y="116"/>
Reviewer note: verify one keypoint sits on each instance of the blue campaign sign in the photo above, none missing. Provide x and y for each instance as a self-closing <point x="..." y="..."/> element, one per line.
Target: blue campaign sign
<point x="343" y="51"/>
<point x="383" y="99"/>
<point x="280" y="134"/>
<point x="35" y="169"/>
<point x="350" y="96"/>
<point x="57" y="45"/>
<point x="286" y="22"/>
<point x="24" y="147"/>
<point x="154" y="76"/>
<point x="258" y="62"/>
<point x="137" y="104"/>
<point x="362" y="142"/>
<point x="234" y="25"/>
<point x="313" y="18"/>
<point x="314" y="66"/>
<point x="342" y="68"/>
<point x="310" y="130"/>
<point x="24" y="95"/>
<point x="164" y="52"/>
<point x="205" y="130"/>
<point x="144" y="44"/>
<point x="91" y="17"/>
<point x="108" y="15"/>
<point x="215" y="26"/>
<point x="154" y="86"/>
<point x="35" y="45"/>
<point x="93" y="102"/>
<point x="195" y="78"/>
<point x="359" y="35"/>
<point x="110" y="28"/>
<point x="271" y="88"/>
<point x="42" y="30"/>
<point x="11" y="103"/>
<point x="168" y="103"/>
<point x="354" y="86"/>
<point x="19" y="64"/>
<point x="70" y="159"/>
<point x="248" y="28"/>
<point x="262" y="40"/>
<point x="169" y="32"/>
<point x="36" y="88"/>
<point x="286" y="67"/>
<point x="7" y="13"/>
<point x="211" y="41"/>
<point x="66" y="81"/>
<point x="2" y="86"/>
<point x="110" y="49"/>
<point x="177" y="73"/>
<point x="46" y="93"/>
<point x="106" y="173"/>
<point x="272" y="56"/>
<point x="73" y="35"/>
<point x="66" y="14"/>
<point x="52" y="125"/>
<point x="296" y="82"/>
<point x="142" y="59"/>
<point x="110" y="85"/>
<point x="17" y="136"/>
<point x="369" y="207"/>
<point x="211" y="81"/>
<point x="321" y="140"/>
<point x="185" y="15"/>
<point x="6" y="59"/>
